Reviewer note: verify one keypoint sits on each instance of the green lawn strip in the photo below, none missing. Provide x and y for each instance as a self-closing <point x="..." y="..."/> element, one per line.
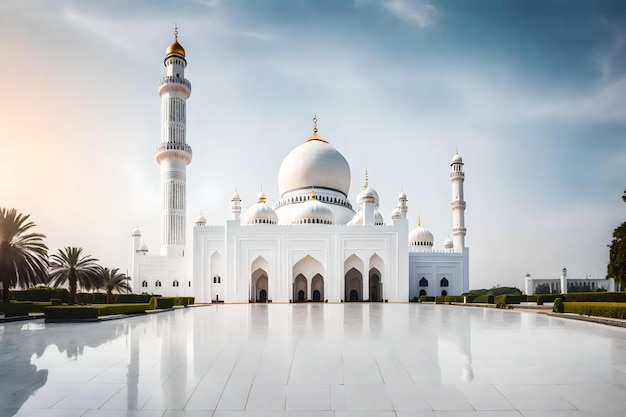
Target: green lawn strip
<point x="613" y="310"/>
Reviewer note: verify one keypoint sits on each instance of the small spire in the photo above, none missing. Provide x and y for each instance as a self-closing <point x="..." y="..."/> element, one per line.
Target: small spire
<point x="312" y="193"/>
<point x="366" y="184"/>
<point x="175" y="31"/>
<point x="315" y="124"/>
<point x="419" y="221"/>
<point x="315" y="136"/>
<point x="262" y="197"/>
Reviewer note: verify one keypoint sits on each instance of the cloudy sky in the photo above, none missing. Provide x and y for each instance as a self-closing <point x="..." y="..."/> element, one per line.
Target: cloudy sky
<point x="532" y="93"/>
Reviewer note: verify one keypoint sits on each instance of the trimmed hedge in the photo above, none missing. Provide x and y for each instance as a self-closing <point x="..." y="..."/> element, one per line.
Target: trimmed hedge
<point x="133" y="298"/>
<point x="23" y="308"/>
<point x="502" y="300"/>
<point x="558" y="305"/>
<point x="157" y="303"/>
<point x="531" y="298"/>
<point x="41" y="294"/>
<point x="91" y="298"/>
<point x="595" y="297"/>
<point x="483" y="299"/>
<point x="92" y="312"/>
<point x="70" y="313"/>
<point x="614" y="310"/>
<point x="454" y="299"/>
<point x="547" y="298"/>
<point x="440" y="299"/>
<point x="426" y="298"/>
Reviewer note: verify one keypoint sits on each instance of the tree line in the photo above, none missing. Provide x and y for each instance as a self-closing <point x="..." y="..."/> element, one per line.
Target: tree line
<point x="24" y="262"/>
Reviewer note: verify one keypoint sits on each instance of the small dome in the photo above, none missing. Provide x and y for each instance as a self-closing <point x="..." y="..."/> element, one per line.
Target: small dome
<point x="143" y="247"/>
<point x="200" y="220"/>
<point x="358" y="218"/>
<point x="378" y="218"/>
<point x="235" y="197"/>
<point x="261" y="212"/>
<point x="368" y="194"/>
<point x="456" y="159"/>
<point x="448" y="244"/>
<point x="420" y="236"/>
<point x="136" y="232"/>
<point x="175" y="48"/>
<point x="402" y="195"/>
<point x="314" y="212"/>
<point x="396" y="214"/>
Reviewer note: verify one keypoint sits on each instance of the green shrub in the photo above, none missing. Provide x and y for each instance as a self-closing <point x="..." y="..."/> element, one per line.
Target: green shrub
<point x="161" y="302"/>
<point x="614" y="310"/>
<point x="440" y="299"/>
<point x="454" y="299"/>
<point x="558" y="305"/>
<point x="185" y="301"/>
<point x="133" y="298"/>
<point x="484" y="299"/>
<point x="41" y="294"/>
<point x="13" y="309"/>
<point x="70" y="313"/>
<point x="110" y="309"/>
<point x="426" y="298"/>
<point x="596" y="297"/>
<point x="56" y="301"/>
<point x="91" y="298"/>
<point x="505" y="299"/>
<point x="547" y="298"/>
<point x="531" y="298"/>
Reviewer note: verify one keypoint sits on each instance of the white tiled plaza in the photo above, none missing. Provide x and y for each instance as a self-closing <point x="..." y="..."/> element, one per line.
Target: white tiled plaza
<point x="315" y="360"/>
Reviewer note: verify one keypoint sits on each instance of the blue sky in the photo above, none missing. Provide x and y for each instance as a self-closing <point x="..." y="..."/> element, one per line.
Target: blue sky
<point x="530" y="92"/>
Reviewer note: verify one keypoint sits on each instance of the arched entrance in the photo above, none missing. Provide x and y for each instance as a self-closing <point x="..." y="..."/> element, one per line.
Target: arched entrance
<point x="444" y="292"/>
<point x="422" y="292"/>
<point x="376" y="288"/>
<point x="259" y="287"/>
<point x="353" y="285"/>
<point x="317" y="287"/>
<point x="299" y="289"/>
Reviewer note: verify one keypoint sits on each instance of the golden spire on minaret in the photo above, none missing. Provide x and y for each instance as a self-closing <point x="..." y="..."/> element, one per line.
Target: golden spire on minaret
<point x="175" y="48"/>
<point x="419" y="221"/>
<point x="366" y="184"/>
<point x="315" y="135"/>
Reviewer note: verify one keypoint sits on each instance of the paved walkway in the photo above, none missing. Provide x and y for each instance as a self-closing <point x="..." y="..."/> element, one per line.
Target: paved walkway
<point x="357" y="360"/>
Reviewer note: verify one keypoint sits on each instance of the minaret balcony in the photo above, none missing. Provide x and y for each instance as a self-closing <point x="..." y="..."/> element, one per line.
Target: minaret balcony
<point x="457" y="203"/>
<point x="174" y="150"/>
<point x="457" y="174"/>
<point x="459" y="230"/>
<point x="171" y="83"/>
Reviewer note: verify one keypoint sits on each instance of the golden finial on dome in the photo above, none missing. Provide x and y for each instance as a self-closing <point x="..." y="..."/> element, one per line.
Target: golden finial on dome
<point x="175" y="48"/>
<point x="366" y="184"/>
<point x="312" y="193"/>
<point x="262" y="197"/>
<point x="419" y="221"/>
<point x="315" y="135"/>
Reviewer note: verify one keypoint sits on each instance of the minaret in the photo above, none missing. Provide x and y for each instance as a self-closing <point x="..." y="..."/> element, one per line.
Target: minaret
<point x="457" y="176"/>
<point x="173" y="154"/>
<point x="236" y="206"/>
<point x="402" y="204"/>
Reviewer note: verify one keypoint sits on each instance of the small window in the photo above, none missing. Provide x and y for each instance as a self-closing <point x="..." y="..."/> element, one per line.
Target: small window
<point x="157" y="284"/>
<point x="219" y="280"/>
<point x="189" y="284"/>
<point x="175" y="283"/>
<point x="443" y="282"/>
<point x="423" y="282"/>
<point x="144" y="284"/>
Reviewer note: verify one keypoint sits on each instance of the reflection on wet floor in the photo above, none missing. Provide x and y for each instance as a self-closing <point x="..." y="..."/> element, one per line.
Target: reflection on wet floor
<point x="325" y="359"/>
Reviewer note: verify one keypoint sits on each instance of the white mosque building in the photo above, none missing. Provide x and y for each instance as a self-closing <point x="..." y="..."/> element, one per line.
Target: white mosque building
<point x="310" y="245"/>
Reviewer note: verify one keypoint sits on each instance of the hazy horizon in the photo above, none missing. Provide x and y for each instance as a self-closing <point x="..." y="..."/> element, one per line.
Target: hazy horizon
<point x="531" y="93"/>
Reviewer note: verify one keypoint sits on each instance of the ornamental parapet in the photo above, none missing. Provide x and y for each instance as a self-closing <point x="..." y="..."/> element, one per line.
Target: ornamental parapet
<point x="171" y="83"/>
<point x="174" y="151"/>
<point x="457" y="175"/>
<point x="457" y="203"/>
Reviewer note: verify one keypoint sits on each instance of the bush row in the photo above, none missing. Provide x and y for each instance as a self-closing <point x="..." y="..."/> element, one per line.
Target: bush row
<point x="614" y="310"/>
<point x="501" y="300"/>
<point x="91" y="298"/>
<point x="597" y="297"/>
<point x="92" y="312"/>
<point x="426" y="298"/>
<point x="22" y="308"/>
<point x="134" y="298"/>
<point x="40" y="294"/>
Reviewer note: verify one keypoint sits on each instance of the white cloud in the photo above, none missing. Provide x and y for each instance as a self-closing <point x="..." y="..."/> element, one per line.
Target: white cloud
<point x="415" y="12"/>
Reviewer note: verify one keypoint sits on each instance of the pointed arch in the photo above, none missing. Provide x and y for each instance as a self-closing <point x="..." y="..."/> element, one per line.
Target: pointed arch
<point x="299" y="289"/>
<point x="375" y="285"/>
<point x="317" y="288"/>
<point x="259" y="283"/>
<point x="353" y="278"/>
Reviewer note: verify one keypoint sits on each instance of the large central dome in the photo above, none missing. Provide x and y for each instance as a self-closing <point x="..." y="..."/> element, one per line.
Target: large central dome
<point x="315" y="163"/>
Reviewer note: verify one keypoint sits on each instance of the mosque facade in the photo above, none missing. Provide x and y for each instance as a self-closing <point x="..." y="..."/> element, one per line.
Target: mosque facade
<point x="311" y="245"/>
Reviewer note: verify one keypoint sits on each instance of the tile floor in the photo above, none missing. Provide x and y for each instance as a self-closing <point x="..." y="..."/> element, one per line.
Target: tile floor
<point x="334" y="360"/>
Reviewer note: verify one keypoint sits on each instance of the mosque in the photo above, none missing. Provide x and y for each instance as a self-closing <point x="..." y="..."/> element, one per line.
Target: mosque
<point x="311" y="245"/>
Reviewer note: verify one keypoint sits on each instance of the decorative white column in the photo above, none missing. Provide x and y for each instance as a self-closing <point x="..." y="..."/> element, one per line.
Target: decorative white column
<point x="173" y="154"/>
<point x="457" y="176"/>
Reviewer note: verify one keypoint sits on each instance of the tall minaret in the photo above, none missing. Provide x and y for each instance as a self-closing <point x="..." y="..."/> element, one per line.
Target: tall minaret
<point x="173" y="154"/>
<point x="457" y="176"/>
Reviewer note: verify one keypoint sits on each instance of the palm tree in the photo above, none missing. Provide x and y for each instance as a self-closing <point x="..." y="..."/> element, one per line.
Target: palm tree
<point x="23" y="255"/>
<point x="71" y="265"/>
<point x="113" y="280"/>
